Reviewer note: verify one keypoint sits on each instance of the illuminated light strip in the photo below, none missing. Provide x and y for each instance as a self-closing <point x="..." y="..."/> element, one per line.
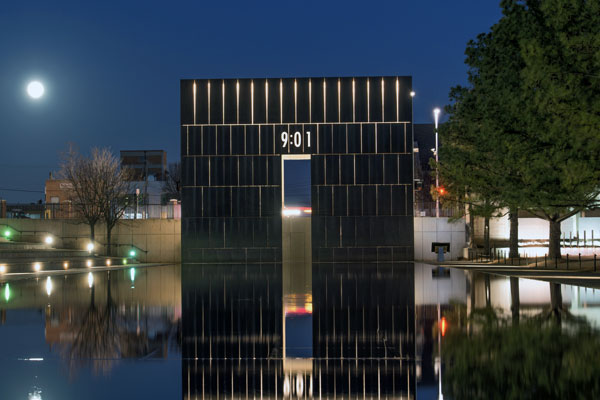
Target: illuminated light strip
<point x="281" y="101"/>
<point x="397" y="99"/>
<point x="339" y="100"/>
<point x="208" y="90"/>
<point x="309" y="100"/>
<point x="368" y="101"/>
<point x="194" y="89"/>
<point x="324" y="100"/>
<point x="266" y="101"/>
<point x="252" y="101"/>
<point x="295" y="101"/>
<point x="295" y="211"/>
<point x="237" y="101"/>
<point x="382" y="104"/>
<point x="353" y="100"/>
<point x="223" y="99"/>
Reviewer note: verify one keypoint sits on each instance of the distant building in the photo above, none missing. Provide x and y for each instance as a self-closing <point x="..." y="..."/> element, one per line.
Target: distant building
<point x="59" y="194"/>
<point x="58" y="191"/>
<point x="148" y="165"/>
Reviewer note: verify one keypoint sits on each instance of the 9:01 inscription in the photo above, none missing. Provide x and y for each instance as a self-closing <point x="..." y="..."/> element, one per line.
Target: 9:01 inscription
<point x="295" y="139"/>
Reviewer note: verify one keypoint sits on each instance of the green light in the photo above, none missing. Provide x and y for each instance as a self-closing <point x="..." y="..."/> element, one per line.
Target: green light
<point x="124" y="261"/>
<point x="7" y="292"/>
<point x="132" y="274"/>
<point x="7" y="233"/>
<point x="132" y="253"/>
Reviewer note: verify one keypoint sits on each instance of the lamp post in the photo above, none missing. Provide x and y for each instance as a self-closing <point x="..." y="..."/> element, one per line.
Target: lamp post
<point x="436" y="115"/>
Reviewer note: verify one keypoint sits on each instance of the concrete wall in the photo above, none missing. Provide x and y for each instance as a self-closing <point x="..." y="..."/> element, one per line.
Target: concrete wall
<point x="158" y="240"/>
<point x="431" y="229"/>
<point x="535" y="229"/>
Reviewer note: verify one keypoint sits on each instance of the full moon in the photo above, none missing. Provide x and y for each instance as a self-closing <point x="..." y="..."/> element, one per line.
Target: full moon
<point x="35" y="89"/>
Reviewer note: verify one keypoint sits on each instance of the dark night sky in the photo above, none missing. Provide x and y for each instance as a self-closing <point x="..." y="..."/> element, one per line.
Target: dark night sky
<point x="112" y="69"/>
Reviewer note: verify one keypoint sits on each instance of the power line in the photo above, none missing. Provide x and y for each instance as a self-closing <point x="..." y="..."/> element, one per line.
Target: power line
<point x="21" y="190"/>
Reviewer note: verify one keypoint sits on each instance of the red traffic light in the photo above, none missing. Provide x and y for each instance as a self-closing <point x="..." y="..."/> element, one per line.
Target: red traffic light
<point x="443" y="326"/>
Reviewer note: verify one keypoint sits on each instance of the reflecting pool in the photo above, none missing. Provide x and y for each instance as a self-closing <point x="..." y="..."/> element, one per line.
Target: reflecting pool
<point x="296" y="331"/>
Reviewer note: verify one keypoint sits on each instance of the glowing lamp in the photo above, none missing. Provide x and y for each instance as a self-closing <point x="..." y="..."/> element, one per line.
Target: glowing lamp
<point x="37" y="267"/>
<point x="131" y="253"/>
<point x="90" y="247"/>
<point x="7" y="233"/>
<point x="88" y="263"/>
<point x="108" y="262"/>
<point x="66" y="265"/>
<point x="291" y="212"/>
<point x="443" y="326"/>
<point x="2" y="268"/>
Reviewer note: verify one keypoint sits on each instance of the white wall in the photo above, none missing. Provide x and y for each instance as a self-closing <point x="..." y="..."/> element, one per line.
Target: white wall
<point x="431" y="229"/>
<point x="538" y="229"/>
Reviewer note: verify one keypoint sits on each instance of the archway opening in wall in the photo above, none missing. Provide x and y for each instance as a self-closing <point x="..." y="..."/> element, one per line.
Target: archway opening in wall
<point x="296" y="197"/>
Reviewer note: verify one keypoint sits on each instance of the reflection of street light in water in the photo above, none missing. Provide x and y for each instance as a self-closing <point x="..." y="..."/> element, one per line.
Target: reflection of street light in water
<point x="440" y="395"/>
<point x="48" y="286"/>
<point x="90" y="280"/>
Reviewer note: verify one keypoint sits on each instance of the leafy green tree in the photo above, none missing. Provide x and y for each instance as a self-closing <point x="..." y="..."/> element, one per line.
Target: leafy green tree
<point x="534" y="359"/>
<point x="562" y="81"/>
<point x="524" y="134"/>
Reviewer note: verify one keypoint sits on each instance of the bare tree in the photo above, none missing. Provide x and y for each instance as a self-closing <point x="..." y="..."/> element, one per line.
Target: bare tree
<point x="115" y="186"/>
<point x="172" y="185"/>
<point x="80" y="172"/>
<point x="100" y="187"/>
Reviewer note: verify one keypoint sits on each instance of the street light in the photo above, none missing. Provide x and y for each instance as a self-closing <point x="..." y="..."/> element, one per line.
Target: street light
<point x="436" y="116"/>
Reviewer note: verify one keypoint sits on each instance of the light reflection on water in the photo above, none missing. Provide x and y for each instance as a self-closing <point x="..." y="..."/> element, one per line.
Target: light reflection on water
<point x="83" y="331"/>
<point x="355" y="329"/>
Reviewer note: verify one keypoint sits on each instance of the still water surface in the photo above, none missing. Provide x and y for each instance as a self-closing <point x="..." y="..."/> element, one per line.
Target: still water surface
<point x="257" y="331"/>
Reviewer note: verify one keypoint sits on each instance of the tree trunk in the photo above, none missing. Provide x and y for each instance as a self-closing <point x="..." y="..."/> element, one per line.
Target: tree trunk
<point x="554" y="242"/>
<point x="513" y="217"/>
<point x="515" y="301"/>
<point x="486" y="235"/>
<point x="92" y="231"/>
<point x="108" y="235"/>
<point x="471" y="228"/>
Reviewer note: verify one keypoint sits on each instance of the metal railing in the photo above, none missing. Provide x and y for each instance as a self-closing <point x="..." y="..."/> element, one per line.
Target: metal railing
<point x="68" y="211"/>
<point x="427" y="209"/>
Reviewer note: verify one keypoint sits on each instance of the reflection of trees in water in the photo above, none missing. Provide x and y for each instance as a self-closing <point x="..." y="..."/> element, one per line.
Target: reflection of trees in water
<point x="548" y="356"/>
<point x="102" y="337"/>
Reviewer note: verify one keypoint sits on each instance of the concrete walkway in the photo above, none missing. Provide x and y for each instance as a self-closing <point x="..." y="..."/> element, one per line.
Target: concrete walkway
<point x="576" y="274"/>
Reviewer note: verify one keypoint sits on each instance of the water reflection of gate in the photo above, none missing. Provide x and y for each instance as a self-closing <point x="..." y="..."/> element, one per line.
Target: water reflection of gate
<point x="362" y="332"/>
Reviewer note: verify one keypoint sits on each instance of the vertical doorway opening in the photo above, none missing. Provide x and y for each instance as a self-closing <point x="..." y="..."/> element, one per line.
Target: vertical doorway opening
<point x="296" y="198"/>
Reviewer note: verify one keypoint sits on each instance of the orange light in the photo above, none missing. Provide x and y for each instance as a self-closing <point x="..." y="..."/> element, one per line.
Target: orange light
<point x="443" y="326"/>
<point x="442" y="191"/>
